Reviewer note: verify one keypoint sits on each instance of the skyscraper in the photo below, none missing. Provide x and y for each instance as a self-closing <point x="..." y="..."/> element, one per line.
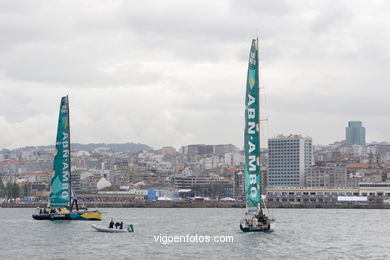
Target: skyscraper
<point x="289" y="157"/>
<point x="355" y="133"/>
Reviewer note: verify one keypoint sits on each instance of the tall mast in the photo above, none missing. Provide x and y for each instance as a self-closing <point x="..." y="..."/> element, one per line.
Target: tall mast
<point x="70" y="166"/>
<point x="259" y="122"/>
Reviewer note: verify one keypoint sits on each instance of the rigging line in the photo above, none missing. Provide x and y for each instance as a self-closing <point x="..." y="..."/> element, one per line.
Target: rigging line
<point x="263" y="101"/>
<point x="266" y="128"/>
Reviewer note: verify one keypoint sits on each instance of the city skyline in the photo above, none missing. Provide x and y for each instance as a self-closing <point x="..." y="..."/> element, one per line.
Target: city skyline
<point x="134" y="76"/>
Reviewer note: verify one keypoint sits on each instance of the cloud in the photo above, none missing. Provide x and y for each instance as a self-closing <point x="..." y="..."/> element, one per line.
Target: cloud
<point x="173" y="72"/>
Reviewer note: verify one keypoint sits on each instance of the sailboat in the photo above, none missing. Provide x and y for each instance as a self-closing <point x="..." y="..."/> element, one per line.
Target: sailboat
<point x="62" y="203"/>
<point x="255" y="220"/>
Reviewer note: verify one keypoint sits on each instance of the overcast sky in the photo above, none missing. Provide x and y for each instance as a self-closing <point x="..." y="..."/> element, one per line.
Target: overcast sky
<point x="174" y="72"/>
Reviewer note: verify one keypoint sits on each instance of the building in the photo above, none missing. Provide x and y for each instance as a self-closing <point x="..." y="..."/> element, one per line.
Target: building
<point x="355" y="133"/>
<point x="204" y="149"/>
<point x="304" y="195"/>
<point x="103" y="183"/>
<point x="188" y="182"/>
<point x="289" y="157"/>
<point x="198" y="149"/>
<point x="168" y="150"/>
<point x="211" y="162"/>
<point x="239" y="185"/>
<point x="234" y="159"/>
<point x="90" y="183"/>
<point x="367" y="192"/>
<point x="221" y="149"/>
<point x="380" y="189"/>
<point x="330" y="177"/>
<point x="76" y="181"/>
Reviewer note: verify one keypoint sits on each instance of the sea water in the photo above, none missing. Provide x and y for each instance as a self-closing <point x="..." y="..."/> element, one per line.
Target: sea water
<point x="297" y="234"/>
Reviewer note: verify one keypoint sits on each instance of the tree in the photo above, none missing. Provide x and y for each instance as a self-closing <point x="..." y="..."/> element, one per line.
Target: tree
<point x="7" y="190"/>
<point x="12" y="190"/>
<point x="26" y="190"/>
<point x="15" y="190"/>
<point x="2" y="188"/>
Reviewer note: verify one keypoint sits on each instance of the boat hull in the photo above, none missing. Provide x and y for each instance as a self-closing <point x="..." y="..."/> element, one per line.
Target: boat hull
<point x="51" y="216"/>
<point x="111" y="230"/>
<point x="83" y="215"/>
<point x="256" y="228"/>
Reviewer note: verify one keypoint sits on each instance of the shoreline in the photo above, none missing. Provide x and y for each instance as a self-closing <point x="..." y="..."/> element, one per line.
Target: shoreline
<point x="170" y="204"/>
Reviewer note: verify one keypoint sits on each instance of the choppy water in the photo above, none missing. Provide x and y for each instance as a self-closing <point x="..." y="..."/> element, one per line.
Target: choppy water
<point x="299" y="234"/>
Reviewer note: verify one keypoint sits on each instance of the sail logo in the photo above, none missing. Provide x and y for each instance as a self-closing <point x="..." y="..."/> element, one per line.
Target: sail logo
<point x="251" y="78"/>
<point x="252" y="146"/>
<point x="65" y="166"/>
<point x="252" y="58"/>
<point x="64" y="115"/>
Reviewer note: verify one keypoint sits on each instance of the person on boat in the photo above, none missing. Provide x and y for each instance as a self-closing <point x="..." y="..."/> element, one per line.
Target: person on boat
<point x="261" y="217"/>
<point x="40" y="211"/>
<point x="117" y="225"/>
<point x="111" y="225"/>
<point x="121" y="225"/>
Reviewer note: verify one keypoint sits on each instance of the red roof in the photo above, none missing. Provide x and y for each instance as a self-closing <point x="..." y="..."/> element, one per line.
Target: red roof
<point x="232" y="170"/>
<point x="13" y="161"/>
<point x="48" y="172"/>
<point x="22" y="183"/>
<point x="357" y="165"/>
<point x="386" y="165"/>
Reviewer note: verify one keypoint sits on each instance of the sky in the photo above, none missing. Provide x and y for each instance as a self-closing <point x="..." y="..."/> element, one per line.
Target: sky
<point x="173" y="73"/>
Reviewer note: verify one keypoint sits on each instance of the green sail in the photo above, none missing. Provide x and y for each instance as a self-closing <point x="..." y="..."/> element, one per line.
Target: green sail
<point x="60" y="183"/>
<point x="252" y="133"/>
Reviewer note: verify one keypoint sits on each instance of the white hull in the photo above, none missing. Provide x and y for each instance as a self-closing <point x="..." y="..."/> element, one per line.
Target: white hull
<point x="109" y="230"/>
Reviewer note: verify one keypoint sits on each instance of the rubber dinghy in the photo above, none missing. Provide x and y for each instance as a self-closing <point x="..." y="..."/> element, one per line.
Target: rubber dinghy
<point x="100" y="228"/>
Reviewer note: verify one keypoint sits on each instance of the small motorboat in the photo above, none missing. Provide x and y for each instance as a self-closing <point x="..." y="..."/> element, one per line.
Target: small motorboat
<point x="130" y="228"/>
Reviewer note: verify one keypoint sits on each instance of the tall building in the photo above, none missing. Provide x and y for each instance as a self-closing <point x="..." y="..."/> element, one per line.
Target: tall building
<point x="289" y="157"/>
<point x="355" y="133"/>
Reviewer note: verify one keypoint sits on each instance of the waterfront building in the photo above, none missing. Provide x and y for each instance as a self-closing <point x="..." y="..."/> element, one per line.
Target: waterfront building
<point x="239" y="185"/>
<point x="289" y="157"/>
<point x="378" y="189"/>
<point x="369" y="191"/>
<point x="188" y="182"/>
<point x="330" y="177"/>
<point x="103" y="183"/>
<point x="206" y="186"/>
<point x="355" y="133"/>
<point x="300" y="195"/>
<point x="76" y="181"/>
<point x="89" y="184"/>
